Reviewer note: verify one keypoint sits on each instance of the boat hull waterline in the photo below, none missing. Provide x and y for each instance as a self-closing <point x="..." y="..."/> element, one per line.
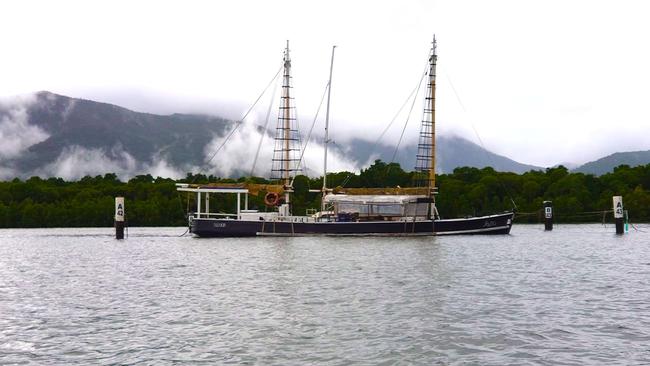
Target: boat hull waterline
<point x="492" y="224"/>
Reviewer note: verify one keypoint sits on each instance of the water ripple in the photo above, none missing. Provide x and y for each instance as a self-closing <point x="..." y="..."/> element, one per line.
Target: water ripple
<point x="574" y="296"/>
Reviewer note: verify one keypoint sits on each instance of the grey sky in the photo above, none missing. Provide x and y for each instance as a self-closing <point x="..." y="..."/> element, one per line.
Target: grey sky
<point x="542" y="81"/>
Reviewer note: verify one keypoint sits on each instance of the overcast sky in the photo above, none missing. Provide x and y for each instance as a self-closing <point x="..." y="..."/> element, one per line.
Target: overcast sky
<point x="542" y="82"/>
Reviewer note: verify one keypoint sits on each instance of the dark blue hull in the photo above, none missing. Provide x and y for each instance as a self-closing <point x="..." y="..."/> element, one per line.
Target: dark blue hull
<point x="493" y="224"/>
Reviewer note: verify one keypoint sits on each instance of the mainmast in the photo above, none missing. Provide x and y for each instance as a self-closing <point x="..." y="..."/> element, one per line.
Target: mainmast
<point x="432" y="107"/>
<point x="327" y="123"/>
<point x="286" y="105"/>
<point x="285" y="163"/>
<point x="426" y="156"/>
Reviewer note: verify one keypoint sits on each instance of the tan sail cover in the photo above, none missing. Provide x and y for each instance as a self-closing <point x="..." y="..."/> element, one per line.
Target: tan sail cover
<point x="253" y="188"/>
<point x="382" y="191"/>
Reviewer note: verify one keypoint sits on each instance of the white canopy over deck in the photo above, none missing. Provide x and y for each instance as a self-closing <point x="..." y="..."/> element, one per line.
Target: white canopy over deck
<point x="382" y="207"/>
<point x="205" y="191"/>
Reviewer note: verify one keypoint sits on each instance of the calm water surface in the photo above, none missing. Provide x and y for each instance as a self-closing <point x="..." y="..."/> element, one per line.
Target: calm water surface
<point x="578" y="295"/>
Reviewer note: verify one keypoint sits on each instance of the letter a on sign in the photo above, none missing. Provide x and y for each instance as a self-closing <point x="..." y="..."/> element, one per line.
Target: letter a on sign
<point x="119" y="208"/>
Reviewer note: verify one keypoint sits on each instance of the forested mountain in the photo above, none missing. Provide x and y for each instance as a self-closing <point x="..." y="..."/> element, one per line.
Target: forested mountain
<point x="609" y="162"/>
<point x="55" y="135"/>
<point x="452" y="152"/>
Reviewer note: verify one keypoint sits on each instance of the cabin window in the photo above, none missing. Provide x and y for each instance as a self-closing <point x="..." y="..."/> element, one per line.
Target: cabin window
<point x="387" y="210"/>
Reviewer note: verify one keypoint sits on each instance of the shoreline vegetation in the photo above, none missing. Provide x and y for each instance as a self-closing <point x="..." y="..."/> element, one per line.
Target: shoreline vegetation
<point x="89" y="202"/>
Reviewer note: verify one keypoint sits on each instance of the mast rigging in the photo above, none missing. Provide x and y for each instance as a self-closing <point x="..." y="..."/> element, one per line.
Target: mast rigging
<point x="426" y="156"/>
<point x="285" y="162"/>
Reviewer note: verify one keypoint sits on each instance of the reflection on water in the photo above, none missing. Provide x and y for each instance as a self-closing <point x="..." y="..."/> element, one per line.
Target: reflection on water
<point x="577" y="295"/>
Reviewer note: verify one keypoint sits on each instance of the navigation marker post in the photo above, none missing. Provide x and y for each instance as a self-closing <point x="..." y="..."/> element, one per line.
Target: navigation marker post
<point x="119" y="217"/>
<point x="548" y="215"/>
<point x="618" y="213"/>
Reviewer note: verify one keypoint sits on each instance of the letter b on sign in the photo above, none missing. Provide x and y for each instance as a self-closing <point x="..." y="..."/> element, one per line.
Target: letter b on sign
<point x="548" y="212"/>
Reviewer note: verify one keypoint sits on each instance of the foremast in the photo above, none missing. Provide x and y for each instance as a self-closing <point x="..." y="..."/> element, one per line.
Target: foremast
<point x="285" y="161"/>
<point x="426" y="156"/>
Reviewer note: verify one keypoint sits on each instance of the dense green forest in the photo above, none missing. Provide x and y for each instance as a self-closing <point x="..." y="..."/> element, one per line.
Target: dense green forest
<point x="150" y="201"/>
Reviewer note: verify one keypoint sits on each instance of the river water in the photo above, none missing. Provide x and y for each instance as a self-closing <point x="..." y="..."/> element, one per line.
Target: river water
<point x="579" y="295"/>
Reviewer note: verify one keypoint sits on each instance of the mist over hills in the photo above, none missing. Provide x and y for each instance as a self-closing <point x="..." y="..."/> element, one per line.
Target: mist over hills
<point x="47" y="134"/>
<point x="72" y="137"/>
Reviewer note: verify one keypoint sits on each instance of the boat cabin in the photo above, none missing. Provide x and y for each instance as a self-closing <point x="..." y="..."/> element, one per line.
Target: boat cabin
<point x="377" y="207"/>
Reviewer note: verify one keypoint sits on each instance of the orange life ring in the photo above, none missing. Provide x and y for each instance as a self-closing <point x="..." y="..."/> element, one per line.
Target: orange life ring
<point x="272" y="199"/>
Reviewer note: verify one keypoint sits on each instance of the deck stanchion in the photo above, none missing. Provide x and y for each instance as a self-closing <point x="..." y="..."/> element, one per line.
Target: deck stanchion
<point x="119" y="217"/>
<point x="548" y="215"/>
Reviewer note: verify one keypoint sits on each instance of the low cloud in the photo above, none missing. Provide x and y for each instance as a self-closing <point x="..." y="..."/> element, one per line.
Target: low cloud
<point x="76" y="162"/>
<point x="7" y="173"/>
<point x="236" y="157"/>
<point x="160" y="167"/>
<point x="16" y="134"/>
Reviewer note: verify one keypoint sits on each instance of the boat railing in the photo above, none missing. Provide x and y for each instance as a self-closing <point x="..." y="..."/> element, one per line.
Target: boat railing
<point x="207" y="215"/>
<point x="233" y="216"/>
<point x="294" y="219"/>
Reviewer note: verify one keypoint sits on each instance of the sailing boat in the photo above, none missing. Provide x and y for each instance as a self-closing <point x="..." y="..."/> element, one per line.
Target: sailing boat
<point x="354" y="211"/>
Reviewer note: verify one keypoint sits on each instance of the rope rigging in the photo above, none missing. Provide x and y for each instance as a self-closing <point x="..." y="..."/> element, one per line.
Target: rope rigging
<point x="263" y="133"/>
<point x="462" y="106"/>
<point x="232" y="132"/>
<point x="390" y="124"/>
<point x="311" y="129"/>
<point x="637" y="229"/>
<point x="241" y="121"/>
<point x="301" y="164"/>
<point x="577" y="215"/>
<point x="414" y="94"/>
<point x="408" y="116"/>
